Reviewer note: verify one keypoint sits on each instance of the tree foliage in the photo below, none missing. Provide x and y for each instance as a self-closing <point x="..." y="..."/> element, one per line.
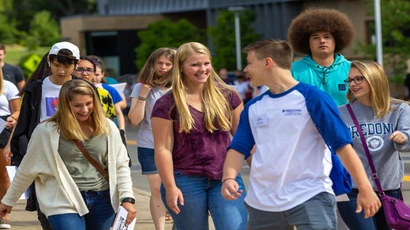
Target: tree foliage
<point x="395" y="23"/>
<point x="45" y="29"/>
<point x="223" y="37"/>
<point x="165" y="33"/>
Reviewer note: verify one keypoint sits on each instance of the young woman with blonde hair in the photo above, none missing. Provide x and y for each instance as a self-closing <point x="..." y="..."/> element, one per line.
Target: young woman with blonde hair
<point x="192" y="127"/>
<point x="87" y="198"/>
<point x="154" y="81"/>
<point x="385" y="123"/>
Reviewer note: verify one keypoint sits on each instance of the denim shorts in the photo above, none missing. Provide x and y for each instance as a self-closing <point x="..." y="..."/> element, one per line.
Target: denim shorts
<point x="147" y="161"/>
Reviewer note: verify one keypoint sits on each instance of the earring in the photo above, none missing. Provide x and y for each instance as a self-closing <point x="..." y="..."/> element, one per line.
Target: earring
<point x="48" y="64"/>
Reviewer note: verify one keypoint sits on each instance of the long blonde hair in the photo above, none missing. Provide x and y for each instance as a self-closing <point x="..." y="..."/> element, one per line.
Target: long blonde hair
<point x="217" y="110"/>
<point x="67" y="123"/>
<point x="379" y="87"/>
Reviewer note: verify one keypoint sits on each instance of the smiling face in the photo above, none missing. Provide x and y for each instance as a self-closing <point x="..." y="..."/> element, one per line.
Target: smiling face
<point x="196" y="69"/>
<point x="254" y="67"/>
<point x="82" y="106"/>
<point x="362" y="90"/>
<point x="322" y="43"/>
<point x="163" y="66"/>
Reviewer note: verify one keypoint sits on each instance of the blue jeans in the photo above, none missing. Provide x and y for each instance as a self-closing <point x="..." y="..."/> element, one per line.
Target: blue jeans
<point x="202" y="195"/>
<point x="100" y="216"/>
<point x="357" y="221"/>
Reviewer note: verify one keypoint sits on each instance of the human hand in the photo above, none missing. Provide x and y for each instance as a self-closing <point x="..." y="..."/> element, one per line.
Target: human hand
<point x="173" y="195"/>
<point x="368" y="201"/>
<point x="145" y="90"/>
<point x="132" y="212"/>
<point x="398" y="137"/>
<point x="230" y="189"/>
<point x="11" y="122"/>
<point x="4" y="209"/>
<point x="7" y="153"/>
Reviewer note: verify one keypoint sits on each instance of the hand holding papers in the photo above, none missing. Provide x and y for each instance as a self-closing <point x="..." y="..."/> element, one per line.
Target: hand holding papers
<point x="120" y="219"/>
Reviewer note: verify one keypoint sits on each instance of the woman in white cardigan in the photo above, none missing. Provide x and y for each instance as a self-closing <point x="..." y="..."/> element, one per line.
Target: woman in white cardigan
<point x="71" y="191"/>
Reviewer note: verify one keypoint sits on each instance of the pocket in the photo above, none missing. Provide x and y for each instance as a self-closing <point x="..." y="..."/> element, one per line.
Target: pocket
<point x="178" y="174"/>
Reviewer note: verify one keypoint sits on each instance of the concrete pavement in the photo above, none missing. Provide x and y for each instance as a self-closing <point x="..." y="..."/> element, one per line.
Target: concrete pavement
<point x="23" y="220"/>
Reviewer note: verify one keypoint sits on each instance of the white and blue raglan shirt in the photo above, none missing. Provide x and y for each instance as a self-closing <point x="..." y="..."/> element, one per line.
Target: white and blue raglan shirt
<point x="292" y="161"/>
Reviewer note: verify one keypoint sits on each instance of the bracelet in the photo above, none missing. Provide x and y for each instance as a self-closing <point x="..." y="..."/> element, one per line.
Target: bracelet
<point x="128" y="200"/>
<point x="142" y="98"/>
<point x="13" y="118"/>
<point x="223" y="181"/>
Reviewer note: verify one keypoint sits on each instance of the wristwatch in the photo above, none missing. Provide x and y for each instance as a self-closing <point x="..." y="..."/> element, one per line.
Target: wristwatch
<point x="128" y="200"/>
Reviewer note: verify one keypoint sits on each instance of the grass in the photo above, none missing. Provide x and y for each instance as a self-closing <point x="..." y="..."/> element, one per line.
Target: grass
<point x="15" y="52"/>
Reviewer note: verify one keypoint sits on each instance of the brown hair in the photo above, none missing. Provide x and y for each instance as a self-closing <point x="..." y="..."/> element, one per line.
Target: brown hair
<point x="315" y="20"/>
<point x="280" y="51"/>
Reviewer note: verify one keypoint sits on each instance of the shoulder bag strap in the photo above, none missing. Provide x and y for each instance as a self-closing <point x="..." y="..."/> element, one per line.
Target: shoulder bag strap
<point x="366" y="149"/>
<point x="91" y="160"/>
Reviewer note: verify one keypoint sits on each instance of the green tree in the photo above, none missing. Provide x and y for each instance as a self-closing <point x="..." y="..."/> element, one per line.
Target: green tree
<point x="8" y="32"/>
<point x="223" y="37"/>
<point x="395" y="23"/>
<point x="45" y="29"/>
<point x="165" y="33"/>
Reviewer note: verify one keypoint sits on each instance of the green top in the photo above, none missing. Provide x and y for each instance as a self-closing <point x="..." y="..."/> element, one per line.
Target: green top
<point x="85" y="176"/>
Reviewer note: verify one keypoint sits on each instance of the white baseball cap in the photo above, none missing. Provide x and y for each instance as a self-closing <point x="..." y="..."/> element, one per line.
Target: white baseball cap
<point x="65" y="45"/>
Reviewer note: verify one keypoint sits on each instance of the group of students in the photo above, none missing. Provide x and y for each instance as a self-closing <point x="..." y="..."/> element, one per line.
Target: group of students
<point x="186" y="115"/>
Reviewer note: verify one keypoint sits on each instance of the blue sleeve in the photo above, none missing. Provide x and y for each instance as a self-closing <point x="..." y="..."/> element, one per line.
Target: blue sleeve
<point x="116" y="97"/>
<point x="243" y="140"/>
<point x="324" y="113"/>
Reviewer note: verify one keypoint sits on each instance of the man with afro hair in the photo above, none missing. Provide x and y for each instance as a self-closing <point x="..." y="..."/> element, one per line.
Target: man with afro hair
<point x="320" y="34"/>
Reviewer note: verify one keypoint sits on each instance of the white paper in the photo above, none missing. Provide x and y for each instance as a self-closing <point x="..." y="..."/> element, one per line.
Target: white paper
<point x="119" y="87"/>
<point x="120" y="220"/>
<point x="3" y="124"/>
<point x="11" y="171"/>
<point x="342" y="198"/>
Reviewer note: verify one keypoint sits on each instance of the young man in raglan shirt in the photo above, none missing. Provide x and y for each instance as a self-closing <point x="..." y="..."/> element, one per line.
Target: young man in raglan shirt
<point x="291" y="125"/>
<point x="39" y="103"/>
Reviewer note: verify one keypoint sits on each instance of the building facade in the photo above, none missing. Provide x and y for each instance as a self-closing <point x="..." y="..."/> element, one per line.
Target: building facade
<point x="118" y="22"/>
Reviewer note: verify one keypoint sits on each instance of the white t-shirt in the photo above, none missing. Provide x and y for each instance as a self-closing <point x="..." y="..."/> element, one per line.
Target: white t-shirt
<point x="10" y="92"/>
<point x="145" y="138"/>
<point x="49" y="99"/>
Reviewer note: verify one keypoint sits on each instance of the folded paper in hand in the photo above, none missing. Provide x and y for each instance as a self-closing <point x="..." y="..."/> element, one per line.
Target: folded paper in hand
<point x="120" y="220"/>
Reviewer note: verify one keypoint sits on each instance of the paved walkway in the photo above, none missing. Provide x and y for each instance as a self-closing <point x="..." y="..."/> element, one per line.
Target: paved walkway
<point x="23" y="220"/>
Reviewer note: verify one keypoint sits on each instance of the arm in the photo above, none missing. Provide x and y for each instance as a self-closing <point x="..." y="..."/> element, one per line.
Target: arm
<point x="137" y="109"/>
<point x="123" y="174"/>
<point x="163" y="133"/>
<point x="400" y="137"/>
<point x="232" y="166"/>
<point x="21" y="84"/>
<point x="15" y="112"/>
<point x="120" y="116"/>
<point x="123" y="102"/>
<point x="367" y="198"/>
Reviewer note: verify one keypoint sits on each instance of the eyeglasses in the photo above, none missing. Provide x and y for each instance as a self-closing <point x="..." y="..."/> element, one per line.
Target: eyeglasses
<point x="81" y="70"/>
<point x="356" y="80"/>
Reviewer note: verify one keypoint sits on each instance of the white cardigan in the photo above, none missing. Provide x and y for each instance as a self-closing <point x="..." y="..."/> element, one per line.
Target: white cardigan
<point x="56" y="191"/>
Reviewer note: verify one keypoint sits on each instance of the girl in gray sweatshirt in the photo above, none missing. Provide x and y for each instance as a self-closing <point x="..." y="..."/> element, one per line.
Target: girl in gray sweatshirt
<point x="385" y="123"/>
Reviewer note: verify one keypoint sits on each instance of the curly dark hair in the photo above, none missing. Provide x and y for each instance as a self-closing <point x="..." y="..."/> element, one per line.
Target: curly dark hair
<point x="315" y="20"/>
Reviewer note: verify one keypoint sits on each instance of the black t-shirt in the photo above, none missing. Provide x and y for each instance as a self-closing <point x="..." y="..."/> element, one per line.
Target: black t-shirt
<point x="12" y="73"/>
